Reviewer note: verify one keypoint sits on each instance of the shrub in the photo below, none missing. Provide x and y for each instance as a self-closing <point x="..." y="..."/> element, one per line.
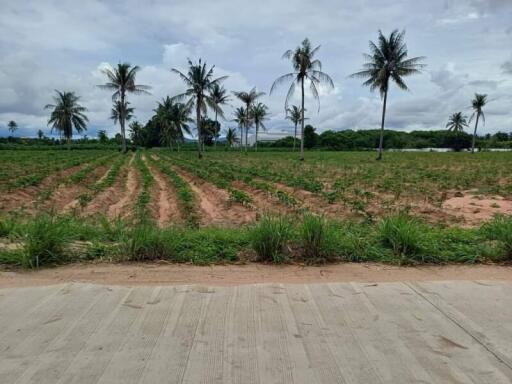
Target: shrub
<point x="316" y="238"/>
<point x="500" y="230"/>
<point x="403" y="235"/>
<point x="269" y="238"/>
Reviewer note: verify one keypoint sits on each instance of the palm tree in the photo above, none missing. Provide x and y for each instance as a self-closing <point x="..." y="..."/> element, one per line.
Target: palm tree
<point x="294" y="114"/>
<point x="67" y="114"/>
<point x="248" y="98"/>
<point x="243" y="120"/>
<point x="388" y="61"/>
<point x="259" y="114"/>
<point x="220" y="97"/>
<point x="173" y="119"/>
<point x="40" y="134"/>
<point x="457" y="122"/>
<point x="12" y="126"/>
<point x="477" y="104"/>
<point x="231" y="138"/>
<point x="200" y="83"/>
<point x="120" y="111"/>
<point x="121" y="80"/>
<point x="306" y="68"/>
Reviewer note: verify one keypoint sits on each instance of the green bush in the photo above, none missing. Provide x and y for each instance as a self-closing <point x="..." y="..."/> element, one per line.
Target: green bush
<point x="269" y="238"/>
<point x="144" y="242"/>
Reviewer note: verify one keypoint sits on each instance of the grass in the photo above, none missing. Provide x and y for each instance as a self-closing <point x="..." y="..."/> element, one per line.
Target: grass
<point x="48" y="240"/>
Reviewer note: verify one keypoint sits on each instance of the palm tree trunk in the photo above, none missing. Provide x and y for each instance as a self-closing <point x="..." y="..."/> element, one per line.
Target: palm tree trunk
<point x="381" y="139"/>
<point x="198" y="123"/>
<point x="241" y="137"/>
<point x="302" y="122"/>
<point x="256" y="143"/>
<point x="474" y="133"/>
<point x="294" y="137"/>
<point x="246" y="128"/>
<point x="68" y="140"/>
<point x="215" y="134"/>
<point x="122" y="122"/>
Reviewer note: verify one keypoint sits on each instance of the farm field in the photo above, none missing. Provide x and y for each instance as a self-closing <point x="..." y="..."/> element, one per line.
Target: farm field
<point x="232" y="206"/>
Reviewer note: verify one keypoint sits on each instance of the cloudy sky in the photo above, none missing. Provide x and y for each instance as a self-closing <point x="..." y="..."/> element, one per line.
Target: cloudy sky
<point x="59" y="44"/>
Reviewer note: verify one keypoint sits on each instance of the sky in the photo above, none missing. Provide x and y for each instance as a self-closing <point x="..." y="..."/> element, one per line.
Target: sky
<point x="64" y="44"/>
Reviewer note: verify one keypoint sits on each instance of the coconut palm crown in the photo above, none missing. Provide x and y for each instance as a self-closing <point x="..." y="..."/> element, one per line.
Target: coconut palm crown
<point x="457" y="122"/>
<point x="67" y="114"/>
<point x="387" y="62"/>
<point x="259" y="114"/>
<point x="248" y="98"/>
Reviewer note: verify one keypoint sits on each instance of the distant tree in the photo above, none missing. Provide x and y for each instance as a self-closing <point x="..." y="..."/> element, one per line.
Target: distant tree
<point x="67" y="114"/>
<point x="172" y="120"/>
<point x="388" y="61"/>
<point x="12" y="126"/>
<point x="210" y="130"/>
<point x="121" y="80"/>
<point x="231" y="137"/>
<point x="102" y="136"/>
<point x="220" y="97"/>
<point x="136" y="133"/>
<point x="457" y="122"/>
<point x="200" y="83"/>
<point x="243" y="121"/>
<point x="248" y="98"/>
<point x="118" y="138"/>
<point x="310" y="137"/>
<point x="294" y="114"/>
<point x="477" y="104"/>
<point x="306" y="68"/>
<point x="40" y="134"/>
<point x="259" y="115"/>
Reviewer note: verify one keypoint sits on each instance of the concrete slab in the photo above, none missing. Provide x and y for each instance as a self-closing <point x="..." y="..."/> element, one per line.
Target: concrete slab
<point x="422" y="332"/>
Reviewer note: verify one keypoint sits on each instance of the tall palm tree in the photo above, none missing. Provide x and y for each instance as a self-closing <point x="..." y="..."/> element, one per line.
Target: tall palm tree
<point x="457" y="122"/>
<point x="200" y="83"/>
<point x="67" y="114"/>
<point x="243" y="121"/>
<point x="388" y="61"/>
<point x="477" y="104"/>
<point x="220" y="98"/>
<point x="306" y="68"/>
<point x="12" y="126"/>
<point x="121" y="80"/>
<point x="120" y="111"/>
<point x="294" y="114"/>
<point x="248" y="98"/>
<point x="259" y="115"/>
<point x="231" y="138"/>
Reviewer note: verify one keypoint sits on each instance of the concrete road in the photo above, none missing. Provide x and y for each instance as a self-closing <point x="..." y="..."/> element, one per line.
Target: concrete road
<point x="437" y="332"/>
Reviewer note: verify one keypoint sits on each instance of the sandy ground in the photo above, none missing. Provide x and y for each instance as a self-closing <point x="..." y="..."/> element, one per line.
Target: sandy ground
<point x="231" y="275"/>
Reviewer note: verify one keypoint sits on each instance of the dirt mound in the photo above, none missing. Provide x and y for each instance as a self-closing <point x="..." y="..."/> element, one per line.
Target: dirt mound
<point x="475" y="209"/>
<point x="105" y="199"/>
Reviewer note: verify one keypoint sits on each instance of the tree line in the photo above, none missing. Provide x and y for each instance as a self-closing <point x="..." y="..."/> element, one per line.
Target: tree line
<point x="387" y="63"/>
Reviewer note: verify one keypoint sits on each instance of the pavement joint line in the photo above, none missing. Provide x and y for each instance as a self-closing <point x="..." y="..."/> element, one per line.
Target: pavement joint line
<point x="498" y="355"/>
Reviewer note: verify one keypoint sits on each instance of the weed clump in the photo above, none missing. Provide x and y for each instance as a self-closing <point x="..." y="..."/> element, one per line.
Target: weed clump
<point x="317" y="239"/>
<point x="269" y="238"/>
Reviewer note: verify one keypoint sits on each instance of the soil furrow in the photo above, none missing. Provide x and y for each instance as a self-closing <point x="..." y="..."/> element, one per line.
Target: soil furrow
<point x="215" y="208"/>
<point x="124" y="206"/>
<point x="163" y="203"/>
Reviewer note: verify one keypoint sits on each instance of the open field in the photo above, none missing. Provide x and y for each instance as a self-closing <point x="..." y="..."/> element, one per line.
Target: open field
<point x="231" y="206"/>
